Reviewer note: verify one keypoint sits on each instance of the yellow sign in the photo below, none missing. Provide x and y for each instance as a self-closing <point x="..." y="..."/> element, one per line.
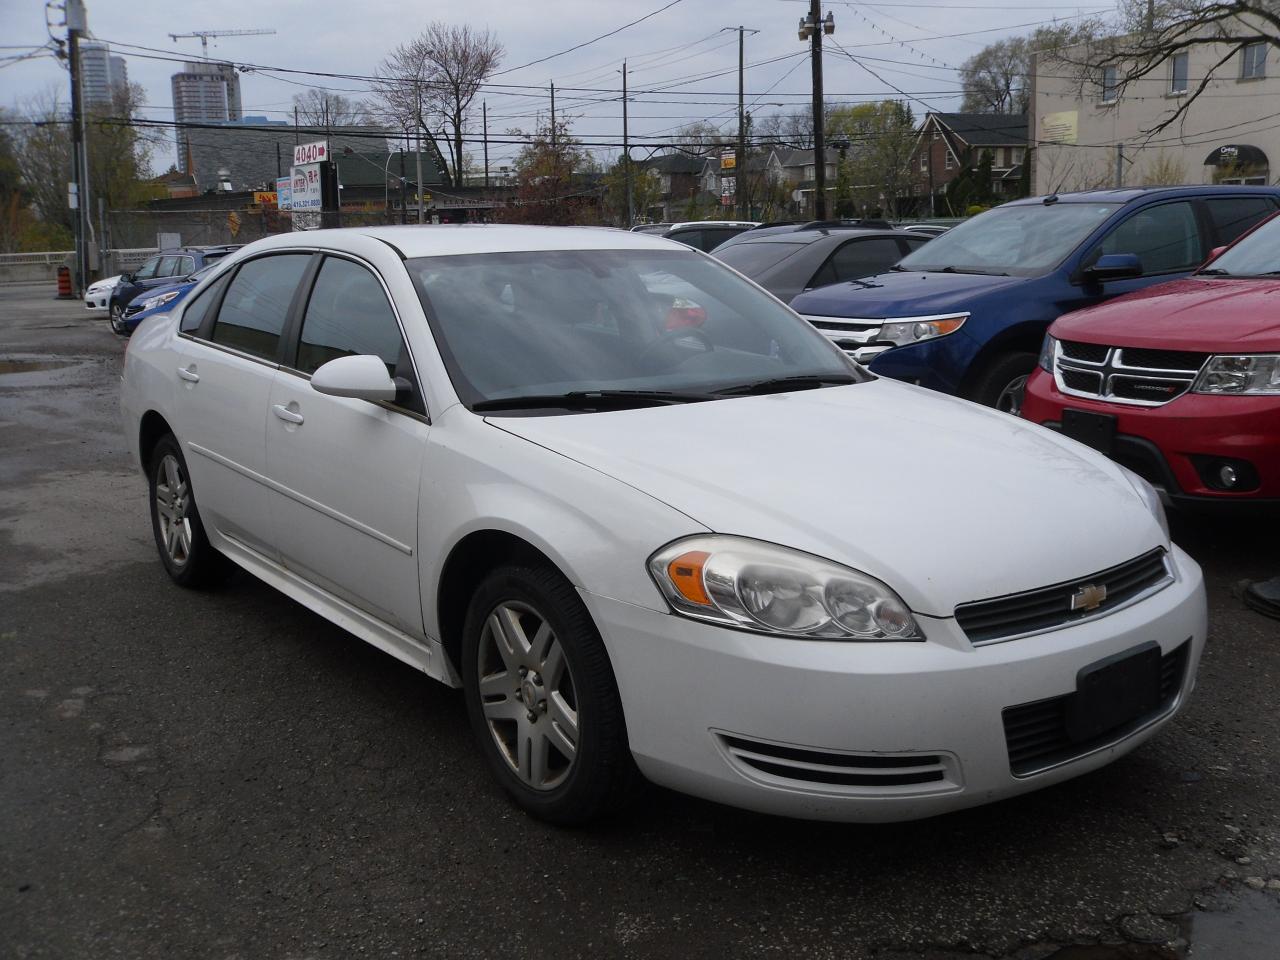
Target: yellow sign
<point x="1060" y="127"/>
<point x="266" y="198"/>
<point x="233" y="223"/>
<point x="728" y="160"/>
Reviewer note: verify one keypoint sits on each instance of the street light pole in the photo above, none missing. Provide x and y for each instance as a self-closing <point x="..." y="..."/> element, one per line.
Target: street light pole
<point x="812" y="28"/>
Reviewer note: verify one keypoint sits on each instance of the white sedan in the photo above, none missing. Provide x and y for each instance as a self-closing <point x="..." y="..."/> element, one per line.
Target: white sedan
<point x="98" y="294"/>
<point x="651" y="521"/>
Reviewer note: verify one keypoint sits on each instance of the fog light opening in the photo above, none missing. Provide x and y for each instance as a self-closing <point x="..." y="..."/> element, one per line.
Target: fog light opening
<point x="1228" y="477"/>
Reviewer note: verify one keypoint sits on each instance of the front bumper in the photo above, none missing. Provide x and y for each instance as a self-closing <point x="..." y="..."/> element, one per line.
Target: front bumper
<point x="98" y="300"/>
<point x="747" y="719"/>
<point x="1172" y="445"/>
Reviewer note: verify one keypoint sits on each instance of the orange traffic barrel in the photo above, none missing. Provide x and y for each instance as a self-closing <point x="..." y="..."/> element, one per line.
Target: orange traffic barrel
<point x="64" y="283"/>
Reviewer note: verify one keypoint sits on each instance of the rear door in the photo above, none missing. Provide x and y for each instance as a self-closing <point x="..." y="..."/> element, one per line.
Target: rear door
<point x="1232" y="216"/>
<point x="344" y="472"/>
<point x="857" y="258"/>
<point x="227" y="366"/>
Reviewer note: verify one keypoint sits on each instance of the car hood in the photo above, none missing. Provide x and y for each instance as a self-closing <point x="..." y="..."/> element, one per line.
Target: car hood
<point x="181" y="285"/>
<point x="944" y="500"/>
<point x="900" y="294"/>
<point x="105" y="283"/>
<point x="1202" y="314"/>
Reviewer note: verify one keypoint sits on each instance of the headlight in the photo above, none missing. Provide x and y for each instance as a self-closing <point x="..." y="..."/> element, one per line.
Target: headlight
<point x="1046" y="354"/>
<point x="1151" y="497"/>
<point x="1245" y="374"/>
<point x="152" y="302"/>
<point x="902" y="332"/>
<point x="757" y="586"/>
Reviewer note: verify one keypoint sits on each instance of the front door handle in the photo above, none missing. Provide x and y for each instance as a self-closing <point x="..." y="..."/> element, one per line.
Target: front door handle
<point x="189" y="374"/>
<point x="285" y="414"/>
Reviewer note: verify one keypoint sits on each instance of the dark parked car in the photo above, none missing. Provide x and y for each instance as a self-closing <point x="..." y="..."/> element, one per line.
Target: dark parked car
<point x="706" y="235"/>
<point x="792" y="226"/>
<point x="967" y="313"/>
<point x="788" y="263"/>
<point x="166" y="267"/>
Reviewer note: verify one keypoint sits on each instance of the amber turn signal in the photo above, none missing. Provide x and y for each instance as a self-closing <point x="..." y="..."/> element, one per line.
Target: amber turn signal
<point x="685" y="573"/>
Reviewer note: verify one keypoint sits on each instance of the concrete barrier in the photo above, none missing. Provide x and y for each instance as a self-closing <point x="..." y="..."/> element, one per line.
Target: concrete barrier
<point x="29" y="267"/>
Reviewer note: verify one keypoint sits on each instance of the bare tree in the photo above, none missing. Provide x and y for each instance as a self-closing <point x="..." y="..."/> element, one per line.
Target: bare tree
<point x="323" y="108"/>
<point x="995" y="79"/>
<point x="438" y="73"/>
<point x="1223" y="29"/>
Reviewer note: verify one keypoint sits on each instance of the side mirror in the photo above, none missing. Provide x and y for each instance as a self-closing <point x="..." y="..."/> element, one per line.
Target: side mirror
<point x="363" y="377"/>
<point x="1215" y="253"/>
<point x="1114" y="266"/>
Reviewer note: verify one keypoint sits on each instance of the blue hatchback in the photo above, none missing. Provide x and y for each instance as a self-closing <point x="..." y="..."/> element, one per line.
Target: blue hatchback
<point x="966" y="313"/>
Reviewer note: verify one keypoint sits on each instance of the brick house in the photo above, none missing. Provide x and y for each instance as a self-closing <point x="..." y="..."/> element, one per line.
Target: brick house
<point x="950" y="143"/>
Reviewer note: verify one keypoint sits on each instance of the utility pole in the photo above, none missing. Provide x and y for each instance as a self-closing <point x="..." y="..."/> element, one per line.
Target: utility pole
<point x="1119" y="165"/>
<point x="812" y="28"/>
<point x="553" y="117"/>
<point x="740" y="160"/>
<point x="484" y="109"/>
<point x="77" y="24"/>
<point x="404" y="202"/>
<point x="626" y="147"/>
<point x="417" y="132"/>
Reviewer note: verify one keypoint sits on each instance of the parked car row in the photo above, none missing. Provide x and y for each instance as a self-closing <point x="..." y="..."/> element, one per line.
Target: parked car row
<point x="652" y="522"/>
<point x="124" y="295"/>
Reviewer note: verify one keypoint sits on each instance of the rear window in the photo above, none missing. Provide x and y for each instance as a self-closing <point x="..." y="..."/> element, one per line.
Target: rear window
<point x="754" y="257"/>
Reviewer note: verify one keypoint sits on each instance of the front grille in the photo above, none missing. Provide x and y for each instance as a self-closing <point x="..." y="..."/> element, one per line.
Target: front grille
<point x="805" y="766"/>
<point x="1047" y="608"/>
<point x="1092" y="352"/>
<point x="1036" y="733"/>
<point x="1131" y="375"/>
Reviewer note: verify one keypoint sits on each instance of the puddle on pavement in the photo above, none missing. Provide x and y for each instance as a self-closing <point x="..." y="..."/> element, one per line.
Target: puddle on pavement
<point x="1240" y="926"/>
<point x="32" y="366"/>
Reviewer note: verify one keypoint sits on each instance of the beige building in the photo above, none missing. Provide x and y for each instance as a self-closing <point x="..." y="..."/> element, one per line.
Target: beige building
<point x="1093" y="133"/>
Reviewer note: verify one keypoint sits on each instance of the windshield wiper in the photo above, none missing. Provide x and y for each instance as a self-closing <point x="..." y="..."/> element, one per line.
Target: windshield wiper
<point x="1214" y="272"/>
<point x="783" y="384"/>
<point x="975" y="272"/>
<point x="591" y="400"/>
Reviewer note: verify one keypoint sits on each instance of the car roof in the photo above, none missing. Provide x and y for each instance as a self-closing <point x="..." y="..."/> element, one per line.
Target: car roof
<point x="1130" y="194"/>
<point x="699" y="224"/>
<point x="436" y="240"/>
<point x="812" y="236"/>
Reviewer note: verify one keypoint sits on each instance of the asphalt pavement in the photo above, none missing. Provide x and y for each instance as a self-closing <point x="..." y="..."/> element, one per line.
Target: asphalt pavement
<point x="226" y="775"/>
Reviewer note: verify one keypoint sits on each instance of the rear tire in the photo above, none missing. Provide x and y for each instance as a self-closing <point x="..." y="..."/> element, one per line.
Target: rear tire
<point x="1003" y="381"/>
<point x="542" y="698"/>
<point x="188" y="557"/>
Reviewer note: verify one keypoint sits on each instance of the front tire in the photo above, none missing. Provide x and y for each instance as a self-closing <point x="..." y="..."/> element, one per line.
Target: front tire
<point x="188" y="557"/>
<point x="1003" y="382"/>
<point x="542" y="698"/>
<point x="115" y="316"/>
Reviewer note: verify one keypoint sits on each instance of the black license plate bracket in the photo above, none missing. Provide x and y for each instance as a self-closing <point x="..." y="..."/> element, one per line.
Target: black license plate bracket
<point x="1097" y="430"/>
<point x="1114" y="692"/>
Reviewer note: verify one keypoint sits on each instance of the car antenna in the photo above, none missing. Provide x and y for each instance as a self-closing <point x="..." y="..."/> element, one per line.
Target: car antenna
<point x="1051" y="198"/>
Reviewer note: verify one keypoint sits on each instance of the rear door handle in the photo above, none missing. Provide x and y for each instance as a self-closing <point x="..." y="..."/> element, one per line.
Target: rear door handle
<point x="189" y="374"/>
<point x="285" y="414"/>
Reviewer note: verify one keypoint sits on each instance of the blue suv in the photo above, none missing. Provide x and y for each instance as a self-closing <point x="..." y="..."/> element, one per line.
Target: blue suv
<point x="966" y="313"/>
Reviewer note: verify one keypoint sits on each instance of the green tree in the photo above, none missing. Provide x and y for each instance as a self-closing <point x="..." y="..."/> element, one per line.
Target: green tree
<point x="996" y="79"/>
<point x="877" y="168"/>
<point x="546" y="191"/>
<point x="646" y="191"/>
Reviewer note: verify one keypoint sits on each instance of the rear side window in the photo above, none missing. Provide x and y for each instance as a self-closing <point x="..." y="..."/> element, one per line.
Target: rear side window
<point x="914" y="243"/>
<point x="858" y="258"/>
<point x="254" y="310"/>
<point x="1165" y="238"/>
<point x="713" y="238"/>
<point x="756" y="257"/>
<point x="348" y="314"/>
<point x="1232" y="216"/>
<point x="692" y="238"/>
<point x="198" y="308"/>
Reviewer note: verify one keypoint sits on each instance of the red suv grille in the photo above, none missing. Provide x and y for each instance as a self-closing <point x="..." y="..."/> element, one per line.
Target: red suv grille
<point x="1125" y="374"/>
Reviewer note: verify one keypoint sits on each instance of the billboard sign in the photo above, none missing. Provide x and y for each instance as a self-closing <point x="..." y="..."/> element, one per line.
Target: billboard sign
<point x="317" y="152"/>
<point x="728" y="160"/>
<point x="284" y="193"/>
<point x="306" y="196"/>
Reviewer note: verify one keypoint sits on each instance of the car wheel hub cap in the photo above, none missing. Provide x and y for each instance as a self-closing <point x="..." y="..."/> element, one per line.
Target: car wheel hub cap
<point x="173" y="501"/>
<point x="527" y="695"/>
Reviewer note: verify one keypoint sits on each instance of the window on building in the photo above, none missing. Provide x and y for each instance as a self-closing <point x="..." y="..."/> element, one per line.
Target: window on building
<point x="1253" y="61"/>
<point x="924" y="161"/>
<point x="1178" y="72"/>
<point x="950" y="161"/>
<point x="1110" y="84"/>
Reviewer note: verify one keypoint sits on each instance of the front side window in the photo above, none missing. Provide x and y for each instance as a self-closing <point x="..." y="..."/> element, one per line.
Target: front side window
<point x="1178" y="72"/>
<point x="858" y="258"/>
<point x="555" y="322"/>
<point x="185" y="267"/>
<point x="257" y="303"/>
<point x="1164" y="237"/>
<point x="167" y="267"/>
<point x="1021" y="240"/>
<point x="148" y="269"/>
<point x="1110" y="84"/>
<point x="1253" y="61"/>
<point x="348" y="314"/>
<point x="198" y="308"/>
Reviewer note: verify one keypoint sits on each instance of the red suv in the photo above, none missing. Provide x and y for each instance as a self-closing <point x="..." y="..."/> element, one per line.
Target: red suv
<point x="1179" y="382"/>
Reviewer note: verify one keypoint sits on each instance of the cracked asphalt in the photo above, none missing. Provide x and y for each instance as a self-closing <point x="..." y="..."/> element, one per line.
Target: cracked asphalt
<point x="226" y="775"/>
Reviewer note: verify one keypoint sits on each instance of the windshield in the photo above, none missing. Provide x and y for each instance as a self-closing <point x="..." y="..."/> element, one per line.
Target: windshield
<point x="1022" y="240"/>
<point x="1257" y="255"/>
<point x="554" y="322"/>
<point x="756" y="256"/>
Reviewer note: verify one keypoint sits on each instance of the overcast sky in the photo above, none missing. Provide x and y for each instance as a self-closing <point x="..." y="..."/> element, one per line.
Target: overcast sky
<point x="914" y="47"/>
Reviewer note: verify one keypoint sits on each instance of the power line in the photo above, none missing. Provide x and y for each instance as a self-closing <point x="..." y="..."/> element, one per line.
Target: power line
<point x="587" y="43"/>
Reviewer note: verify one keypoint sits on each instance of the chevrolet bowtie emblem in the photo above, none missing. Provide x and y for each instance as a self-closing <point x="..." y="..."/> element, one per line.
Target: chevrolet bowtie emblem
<point x="1088" y="597"/>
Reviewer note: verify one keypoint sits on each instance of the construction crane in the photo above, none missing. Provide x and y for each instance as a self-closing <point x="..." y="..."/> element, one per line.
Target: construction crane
<point x="204" y="36"/>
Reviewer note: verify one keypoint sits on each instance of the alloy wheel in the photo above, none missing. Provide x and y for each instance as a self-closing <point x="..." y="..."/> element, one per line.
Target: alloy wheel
<point x="173" y="505"/>
<point x="116" y="315"/>
<point x="527" y="695"/>
<point x="1010" y="399"/>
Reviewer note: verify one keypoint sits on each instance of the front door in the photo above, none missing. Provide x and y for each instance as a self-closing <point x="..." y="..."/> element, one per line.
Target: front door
<point x="345" y="473"/>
